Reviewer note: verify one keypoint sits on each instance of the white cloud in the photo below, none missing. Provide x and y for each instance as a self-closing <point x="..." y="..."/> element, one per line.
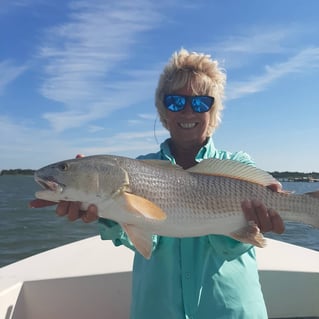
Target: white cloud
<point x="247" y="46"/>
<point x="147" y="116"/>
<point x="248" y="49"/>
<point x="23" y="3"/>
<point x="70" y="119"/>
<point x="84" y="60"/>
<point x="95" y="128"/>
<point x="25" y="146"/>
<point x="139" y="135"/>
<point x="20" y="146"/>
<point x="8" y="6"/>
<point x="305" y="61"/>
<point x="9" y="72"/>
<point x="121" y="143"/>
<point x="255" y="42"/>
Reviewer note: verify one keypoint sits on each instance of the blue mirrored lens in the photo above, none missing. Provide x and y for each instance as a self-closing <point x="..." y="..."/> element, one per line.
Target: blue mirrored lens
<point x="200" y="104"/>
<point x="175" y="103"/>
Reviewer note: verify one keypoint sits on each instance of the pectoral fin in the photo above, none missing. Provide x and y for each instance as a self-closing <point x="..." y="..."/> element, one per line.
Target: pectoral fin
<point x="141" y="239"/>
<point x="250" y="234"/>
<point x="142" y="206"/>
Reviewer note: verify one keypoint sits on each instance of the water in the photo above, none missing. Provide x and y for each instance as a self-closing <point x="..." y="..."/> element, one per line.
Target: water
<point x="295" y="233"/>
<point x="26" y="231"/>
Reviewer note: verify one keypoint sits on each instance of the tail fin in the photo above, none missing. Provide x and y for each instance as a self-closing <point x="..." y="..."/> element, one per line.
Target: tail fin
<point x="315" y="195"/>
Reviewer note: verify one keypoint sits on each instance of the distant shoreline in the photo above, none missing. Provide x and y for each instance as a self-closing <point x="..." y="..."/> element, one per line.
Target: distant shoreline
<point x="17" y="171"/>
<point x="281" y="176"/>
<point x="296" y="176"/>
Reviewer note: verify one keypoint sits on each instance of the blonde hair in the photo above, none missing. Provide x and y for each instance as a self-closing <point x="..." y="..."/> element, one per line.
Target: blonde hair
<point x="203" y="76"/>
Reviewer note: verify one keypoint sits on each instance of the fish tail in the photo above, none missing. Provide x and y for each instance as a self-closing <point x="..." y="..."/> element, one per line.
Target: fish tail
<point x="250" y="234"/>
<point x="314" y="195"/>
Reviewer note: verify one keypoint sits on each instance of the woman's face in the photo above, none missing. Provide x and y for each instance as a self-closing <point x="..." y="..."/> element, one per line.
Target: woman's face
<point x="187" y="126"/>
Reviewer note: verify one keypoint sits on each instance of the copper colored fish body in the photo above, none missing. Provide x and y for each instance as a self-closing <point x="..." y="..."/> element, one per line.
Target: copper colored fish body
<point x="149" y="197"/>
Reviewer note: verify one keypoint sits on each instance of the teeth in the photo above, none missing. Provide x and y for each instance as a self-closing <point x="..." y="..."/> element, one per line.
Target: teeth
<point x="187" y="125"/>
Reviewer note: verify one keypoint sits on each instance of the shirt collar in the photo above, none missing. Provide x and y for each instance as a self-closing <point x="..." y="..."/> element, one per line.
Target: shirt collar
<point x="207" y="151"/>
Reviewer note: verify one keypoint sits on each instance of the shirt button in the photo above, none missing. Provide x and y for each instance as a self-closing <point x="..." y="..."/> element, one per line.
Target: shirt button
<point x="187" y="275"/>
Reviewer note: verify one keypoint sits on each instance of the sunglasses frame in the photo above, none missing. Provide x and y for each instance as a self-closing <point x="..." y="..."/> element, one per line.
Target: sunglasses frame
<point x="188" y="98"/>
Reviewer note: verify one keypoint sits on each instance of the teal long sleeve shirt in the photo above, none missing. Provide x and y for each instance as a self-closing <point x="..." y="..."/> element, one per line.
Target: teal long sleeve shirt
<point x="193" y="278"/>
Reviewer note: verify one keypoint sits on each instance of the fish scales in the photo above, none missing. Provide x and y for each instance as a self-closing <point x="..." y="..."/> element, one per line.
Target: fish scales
<point x="206" y="196"/>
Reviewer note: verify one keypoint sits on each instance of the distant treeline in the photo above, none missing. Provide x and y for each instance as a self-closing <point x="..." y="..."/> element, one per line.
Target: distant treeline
<point x="296" y="176"/>
<point x="17" y="171"/>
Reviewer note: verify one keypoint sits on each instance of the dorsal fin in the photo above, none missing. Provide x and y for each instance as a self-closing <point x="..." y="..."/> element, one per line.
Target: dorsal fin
<point x="233" y="169"/>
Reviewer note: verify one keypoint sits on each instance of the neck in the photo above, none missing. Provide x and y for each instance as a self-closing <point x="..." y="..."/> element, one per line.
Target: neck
<point x="185" y="154"/>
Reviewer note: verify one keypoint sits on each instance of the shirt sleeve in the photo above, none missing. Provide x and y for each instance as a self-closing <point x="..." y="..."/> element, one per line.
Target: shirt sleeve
<point x="110" y="230"/>
<point x="240" y="156"/>
<point x="243" y="158"/>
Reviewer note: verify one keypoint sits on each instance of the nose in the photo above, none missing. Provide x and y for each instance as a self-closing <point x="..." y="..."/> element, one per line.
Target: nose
<point x="188" y="108"/>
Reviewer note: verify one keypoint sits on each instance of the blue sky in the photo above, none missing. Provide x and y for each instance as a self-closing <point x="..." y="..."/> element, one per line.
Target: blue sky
<point x="79" y="76"/>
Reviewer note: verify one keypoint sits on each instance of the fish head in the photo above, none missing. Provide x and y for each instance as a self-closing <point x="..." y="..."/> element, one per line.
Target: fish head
<point x="86" y="179"/>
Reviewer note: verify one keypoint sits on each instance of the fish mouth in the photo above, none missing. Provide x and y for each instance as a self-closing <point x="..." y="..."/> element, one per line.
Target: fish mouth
<point x="50" y="184"/>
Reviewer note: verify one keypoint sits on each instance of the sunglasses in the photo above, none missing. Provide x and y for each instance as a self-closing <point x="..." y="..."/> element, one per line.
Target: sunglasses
<point x="199" y="103"/>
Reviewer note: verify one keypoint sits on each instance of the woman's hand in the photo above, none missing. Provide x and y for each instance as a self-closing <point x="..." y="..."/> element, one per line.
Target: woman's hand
<point x="265" y="218"/>
<point x="72" y="210"/>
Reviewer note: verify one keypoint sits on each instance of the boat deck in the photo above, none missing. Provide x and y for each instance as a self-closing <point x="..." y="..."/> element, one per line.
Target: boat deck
<point x="92" y="277"/>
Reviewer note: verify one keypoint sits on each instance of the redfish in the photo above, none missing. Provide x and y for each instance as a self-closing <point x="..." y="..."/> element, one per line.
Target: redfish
<point x="149" y="197"/>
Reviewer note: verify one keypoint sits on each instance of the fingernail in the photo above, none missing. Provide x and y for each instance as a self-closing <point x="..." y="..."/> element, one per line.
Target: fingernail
<point x="271" y="212"/>
<point x="246" y="203"/>
<point x="256" y="202"/>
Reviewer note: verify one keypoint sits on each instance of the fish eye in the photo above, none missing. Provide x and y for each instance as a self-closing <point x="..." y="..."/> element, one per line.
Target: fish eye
<point x="63" y="166"/>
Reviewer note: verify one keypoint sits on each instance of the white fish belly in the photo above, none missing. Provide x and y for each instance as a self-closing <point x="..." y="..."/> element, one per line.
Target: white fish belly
<point x="189" y="227"/>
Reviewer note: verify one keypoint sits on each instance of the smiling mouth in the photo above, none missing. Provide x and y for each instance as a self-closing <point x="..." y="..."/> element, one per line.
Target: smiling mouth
<point x="187" y="125"/>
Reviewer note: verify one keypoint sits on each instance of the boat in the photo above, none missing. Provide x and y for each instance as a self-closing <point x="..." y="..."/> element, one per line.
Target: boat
<point x="91" y="278"/>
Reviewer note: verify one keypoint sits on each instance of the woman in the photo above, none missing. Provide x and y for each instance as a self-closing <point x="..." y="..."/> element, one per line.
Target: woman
<point x="204" y="277"/>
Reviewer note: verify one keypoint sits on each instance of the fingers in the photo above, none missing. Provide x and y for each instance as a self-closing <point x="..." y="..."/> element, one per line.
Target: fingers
<point x="266" y="219"/>
<point x="262" y="215"/>
<point x="249" y="211"/>
<point x="277" y="222"/>
<point x="90" y="215"/>
<point x="73" y="211"/>
<point x="69" y="209"/>
<point x="38" y="203"/>
<point x="275" y="187"/>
